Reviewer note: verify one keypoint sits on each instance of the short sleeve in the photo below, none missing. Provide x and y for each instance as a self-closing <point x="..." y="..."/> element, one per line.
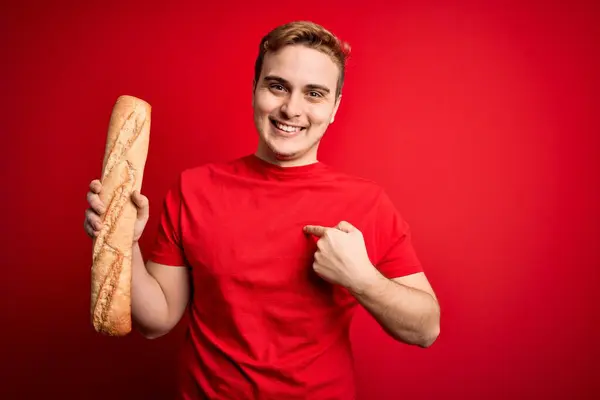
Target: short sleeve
<point x="394" y="242"/>
<point x="167" y="248"/>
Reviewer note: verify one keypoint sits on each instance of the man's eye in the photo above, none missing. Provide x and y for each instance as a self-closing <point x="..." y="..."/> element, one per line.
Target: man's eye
<point x="277" y="87"/>
<point x="314" y="94"/>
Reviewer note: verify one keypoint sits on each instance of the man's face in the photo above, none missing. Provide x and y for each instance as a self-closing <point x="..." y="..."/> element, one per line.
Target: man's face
<point x="294" y="103"/>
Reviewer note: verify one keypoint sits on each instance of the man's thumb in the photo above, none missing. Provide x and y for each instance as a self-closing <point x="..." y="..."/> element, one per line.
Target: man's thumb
<point x="140" y="201"/>
<point x="345" y="226"/>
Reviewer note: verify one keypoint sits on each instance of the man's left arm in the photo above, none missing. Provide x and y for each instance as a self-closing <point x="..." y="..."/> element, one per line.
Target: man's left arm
<point x="406" y="307"/>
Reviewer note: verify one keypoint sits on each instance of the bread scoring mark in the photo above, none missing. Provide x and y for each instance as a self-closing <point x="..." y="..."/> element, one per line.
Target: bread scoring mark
<point x="115" y="207"/>
<point x="107" y="291"/>
<point x="130" y="129"/>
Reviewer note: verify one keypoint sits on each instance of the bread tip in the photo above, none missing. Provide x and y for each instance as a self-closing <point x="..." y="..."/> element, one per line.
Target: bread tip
<point x="133" y="99"/>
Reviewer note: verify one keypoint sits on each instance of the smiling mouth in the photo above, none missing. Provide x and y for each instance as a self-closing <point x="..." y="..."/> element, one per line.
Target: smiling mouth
<point x="286" y="128"/>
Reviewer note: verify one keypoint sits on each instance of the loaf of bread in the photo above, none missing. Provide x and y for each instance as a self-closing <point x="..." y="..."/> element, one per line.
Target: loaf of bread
<point x="122" y="172"/>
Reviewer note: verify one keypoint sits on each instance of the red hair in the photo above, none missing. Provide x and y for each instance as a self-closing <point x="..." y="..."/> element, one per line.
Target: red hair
<point x="308" y="34"/>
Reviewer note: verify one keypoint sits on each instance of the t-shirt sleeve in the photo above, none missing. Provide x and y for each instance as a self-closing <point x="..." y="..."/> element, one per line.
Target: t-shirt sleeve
<point x="397" y="256"/>
<point x="167" y="248"/>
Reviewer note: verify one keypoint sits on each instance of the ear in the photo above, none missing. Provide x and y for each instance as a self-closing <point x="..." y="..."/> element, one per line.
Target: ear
<point x="335" y="108"/>
<point x="253" y="91"/>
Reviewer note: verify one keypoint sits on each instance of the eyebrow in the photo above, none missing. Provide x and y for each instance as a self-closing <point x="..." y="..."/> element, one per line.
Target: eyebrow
<point x="312" y="86"/>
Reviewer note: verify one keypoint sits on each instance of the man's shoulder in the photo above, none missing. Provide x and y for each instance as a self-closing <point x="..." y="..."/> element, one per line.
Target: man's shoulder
<point x="355" y="181"/>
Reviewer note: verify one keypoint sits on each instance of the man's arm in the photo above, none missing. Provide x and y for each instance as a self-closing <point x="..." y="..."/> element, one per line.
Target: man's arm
<point x="405" y="307"/>
<point x="159" y="295"/>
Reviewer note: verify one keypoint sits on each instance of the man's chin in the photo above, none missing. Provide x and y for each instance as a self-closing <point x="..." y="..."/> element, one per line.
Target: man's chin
<point x="285" y="152"/>
<point x="284" y="156"/>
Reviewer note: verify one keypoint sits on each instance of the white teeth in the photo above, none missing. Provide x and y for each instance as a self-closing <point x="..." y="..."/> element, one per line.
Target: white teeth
<point x="287" y="128"/>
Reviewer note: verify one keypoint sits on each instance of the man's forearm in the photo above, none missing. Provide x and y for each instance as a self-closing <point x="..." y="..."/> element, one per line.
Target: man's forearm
<point x="407" y="314"/>
<point x="148" y="302"/>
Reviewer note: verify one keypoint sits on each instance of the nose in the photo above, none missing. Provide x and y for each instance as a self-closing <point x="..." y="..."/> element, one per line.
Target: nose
<point x="292" y="106"/>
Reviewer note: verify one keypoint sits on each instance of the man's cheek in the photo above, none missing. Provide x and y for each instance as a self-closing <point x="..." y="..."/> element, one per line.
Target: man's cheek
<point x="319" y="115"/>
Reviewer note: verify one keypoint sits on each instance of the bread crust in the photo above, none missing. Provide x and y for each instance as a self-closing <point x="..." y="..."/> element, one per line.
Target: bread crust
<point x="122" y="173"/>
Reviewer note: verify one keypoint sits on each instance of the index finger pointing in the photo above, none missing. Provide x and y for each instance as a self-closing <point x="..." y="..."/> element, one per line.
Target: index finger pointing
<point x="315" y="230"/>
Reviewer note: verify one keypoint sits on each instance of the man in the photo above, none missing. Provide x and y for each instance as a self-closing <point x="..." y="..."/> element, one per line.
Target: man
<point x="273" y="251"/>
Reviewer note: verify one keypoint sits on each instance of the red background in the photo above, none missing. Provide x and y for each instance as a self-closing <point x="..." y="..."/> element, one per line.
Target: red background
<point x="479" y="118"/>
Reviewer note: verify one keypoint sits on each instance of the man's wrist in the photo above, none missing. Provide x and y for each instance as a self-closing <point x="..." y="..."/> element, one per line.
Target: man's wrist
<point x="371" y="282"/>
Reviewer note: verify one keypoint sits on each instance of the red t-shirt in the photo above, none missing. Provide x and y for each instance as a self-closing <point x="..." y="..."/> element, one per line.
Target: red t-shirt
<point x="263" y="325"/>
